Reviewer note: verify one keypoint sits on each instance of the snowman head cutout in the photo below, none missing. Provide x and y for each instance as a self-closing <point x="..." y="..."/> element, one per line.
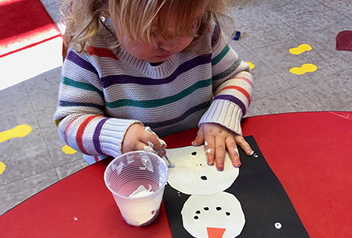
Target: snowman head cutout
<point x="220" y="214"/>
<point x="192" y="174"/>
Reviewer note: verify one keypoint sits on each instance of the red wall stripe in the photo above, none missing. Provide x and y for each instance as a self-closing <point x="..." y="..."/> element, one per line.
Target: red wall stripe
<point x="31" y="45"/>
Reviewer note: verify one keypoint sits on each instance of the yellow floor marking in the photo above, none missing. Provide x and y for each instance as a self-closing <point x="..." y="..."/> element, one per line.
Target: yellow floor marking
<point x="18" y="131"/>
<point x="251" y="66"/>
<point x="300" y="49"/>
<point x="68" y="150"/>
<point x="2" y="167"/>
<point x="304" y="69"/>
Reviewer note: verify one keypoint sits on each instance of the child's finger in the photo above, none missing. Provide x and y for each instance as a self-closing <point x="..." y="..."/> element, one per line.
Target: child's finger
<point x="131" y="141"/>
<point x="220" y="150"/>
<point x="209" y="145"/>
<point x="244" y="145"/>
<point x="137" y="146"/>
<point x="233" y="152"/>
<point x="160" y="145"/>
<point x="152" y="140"/>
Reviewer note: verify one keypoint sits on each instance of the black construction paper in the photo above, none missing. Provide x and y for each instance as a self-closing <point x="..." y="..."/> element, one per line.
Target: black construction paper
<point x="262" y="197"/>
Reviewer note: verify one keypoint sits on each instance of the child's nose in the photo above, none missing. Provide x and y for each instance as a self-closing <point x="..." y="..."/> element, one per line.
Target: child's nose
<point x="168" y="45"/>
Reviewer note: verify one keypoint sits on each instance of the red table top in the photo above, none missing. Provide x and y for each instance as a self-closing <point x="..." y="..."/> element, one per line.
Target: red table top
<point x="309" y="153"/>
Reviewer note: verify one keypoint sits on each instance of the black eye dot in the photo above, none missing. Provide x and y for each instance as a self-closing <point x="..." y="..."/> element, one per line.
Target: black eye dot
<point x="194" y="153"/>
<point x="228" y="214"/>
<point x="206" y="208"/>
<point x="218" y="208"/>
<point x="196" y="217"/>
<point x="204" y="177"/>
<point x="198" y="212"/>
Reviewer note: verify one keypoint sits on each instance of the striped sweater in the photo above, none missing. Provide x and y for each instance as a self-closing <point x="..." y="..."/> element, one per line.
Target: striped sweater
<point x="103" y="93"/>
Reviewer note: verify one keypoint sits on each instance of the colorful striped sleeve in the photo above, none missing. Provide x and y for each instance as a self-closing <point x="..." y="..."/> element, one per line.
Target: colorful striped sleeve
<point x="80" y="115"/>
<point x="232" y="86"/>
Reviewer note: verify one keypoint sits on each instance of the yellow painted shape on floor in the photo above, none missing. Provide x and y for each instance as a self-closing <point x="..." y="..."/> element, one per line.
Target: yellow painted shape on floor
<point x="68" y="150"/>
<point x="2" y="167"/>
<point x="300" y="49"/>
<point x="304" y="69"/>
<point x="251" y="66"/>
<point x="18" y="131"/>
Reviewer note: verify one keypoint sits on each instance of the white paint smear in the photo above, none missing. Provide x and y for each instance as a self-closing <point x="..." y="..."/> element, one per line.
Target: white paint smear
<point x="253" y="154"/>
<point x="148" y="149"/>
<point x="151" y="145"/>
<point x="162" y="142"/>
<point x="146" y="162"/>
<point x="130" y="159"/>
<point x="118" y="168"/>
<point x="141" y="191"/>
<point x="147" y="129"/>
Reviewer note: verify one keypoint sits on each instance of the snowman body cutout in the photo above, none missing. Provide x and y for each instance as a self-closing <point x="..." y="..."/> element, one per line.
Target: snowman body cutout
<point x="209" y="210"/>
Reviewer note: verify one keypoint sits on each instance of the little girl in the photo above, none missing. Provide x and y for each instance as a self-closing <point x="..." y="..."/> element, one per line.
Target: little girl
<point x="139" y="69"/>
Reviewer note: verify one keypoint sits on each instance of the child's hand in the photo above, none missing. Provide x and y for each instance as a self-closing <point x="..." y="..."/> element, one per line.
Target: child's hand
<point x="218" y="139"/>
<point x="138" y="137"/>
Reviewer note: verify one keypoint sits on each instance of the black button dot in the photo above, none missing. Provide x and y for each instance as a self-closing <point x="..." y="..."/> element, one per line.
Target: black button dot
<point x="204" y="177"/>
<point x="196" y="217"/>
<point x="198" y="212"/>
<point x="218" y="208"/>
<point x="194" y="153"/>
<point x="228" y="214"/>
<point x="206" y="208"/>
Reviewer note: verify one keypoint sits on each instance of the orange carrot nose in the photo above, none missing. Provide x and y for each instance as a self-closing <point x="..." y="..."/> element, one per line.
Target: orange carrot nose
<point x="215" y="232"/>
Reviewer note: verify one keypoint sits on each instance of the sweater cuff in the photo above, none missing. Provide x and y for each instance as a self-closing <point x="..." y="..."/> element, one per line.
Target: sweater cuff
<point x="112" y="135"/>
<point x="225" y="113"/>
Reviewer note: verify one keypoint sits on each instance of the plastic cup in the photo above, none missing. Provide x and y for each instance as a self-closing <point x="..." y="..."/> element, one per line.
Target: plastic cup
<point x="137" y="180"/>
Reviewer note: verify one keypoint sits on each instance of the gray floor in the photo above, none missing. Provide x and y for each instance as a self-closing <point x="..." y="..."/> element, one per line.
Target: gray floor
<point x="269" y="30"/>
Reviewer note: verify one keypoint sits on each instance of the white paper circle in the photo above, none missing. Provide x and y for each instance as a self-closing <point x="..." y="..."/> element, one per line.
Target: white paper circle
<point x="192" y="174"/>
<point x="221" y="210"/>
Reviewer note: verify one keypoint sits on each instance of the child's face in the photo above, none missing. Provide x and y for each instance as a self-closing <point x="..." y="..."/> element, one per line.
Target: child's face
<point x="160" y="49"/>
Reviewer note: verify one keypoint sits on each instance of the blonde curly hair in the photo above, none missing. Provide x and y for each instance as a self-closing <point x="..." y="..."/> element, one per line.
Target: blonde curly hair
<point x="136" y="18"/>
